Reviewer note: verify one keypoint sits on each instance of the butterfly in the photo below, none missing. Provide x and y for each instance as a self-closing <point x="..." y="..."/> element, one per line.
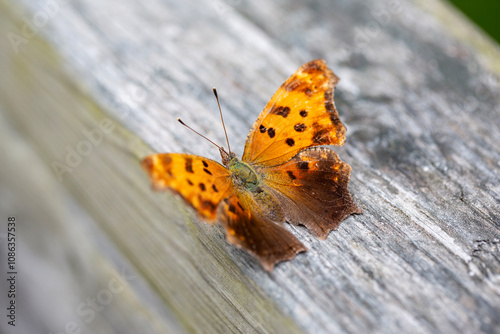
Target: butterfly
<point x="286" y="173"/>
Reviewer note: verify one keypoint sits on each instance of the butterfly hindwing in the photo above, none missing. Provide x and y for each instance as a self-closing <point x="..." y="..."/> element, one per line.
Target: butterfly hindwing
<point x="266" y="240"/>
<point x="312" y="189"/>
<point x="299" y="115"/>
<point x="202" y="182"/>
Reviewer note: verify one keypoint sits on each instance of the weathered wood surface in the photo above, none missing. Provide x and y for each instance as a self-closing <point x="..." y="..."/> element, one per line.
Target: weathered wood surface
<point x="418" y="94"/>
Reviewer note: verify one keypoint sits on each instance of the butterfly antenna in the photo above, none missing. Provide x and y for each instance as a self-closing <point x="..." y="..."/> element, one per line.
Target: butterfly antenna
<point x="222" y="119"/>
<point x="199" y="134"/>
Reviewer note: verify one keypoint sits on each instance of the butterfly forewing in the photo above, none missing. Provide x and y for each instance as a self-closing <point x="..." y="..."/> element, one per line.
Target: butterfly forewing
<point x="202" y="182"/>
<point x="299" y="115"/>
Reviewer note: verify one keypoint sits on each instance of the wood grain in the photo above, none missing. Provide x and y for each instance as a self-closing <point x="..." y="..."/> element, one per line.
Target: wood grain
<point x="421" y="105"/>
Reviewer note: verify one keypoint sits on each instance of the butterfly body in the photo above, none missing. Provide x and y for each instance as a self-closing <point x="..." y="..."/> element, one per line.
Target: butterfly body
<point x="284" y="175"/>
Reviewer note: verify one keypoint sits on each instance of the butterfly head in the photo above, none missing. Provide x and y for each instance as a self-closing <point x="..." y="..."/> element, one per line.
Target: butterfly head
<point x="226" y="157"/>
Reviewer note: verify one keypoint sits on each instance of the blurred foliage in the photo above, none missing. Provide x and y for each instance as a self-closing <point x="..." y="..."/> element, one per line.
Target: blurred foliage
<point x="485" y="13"/>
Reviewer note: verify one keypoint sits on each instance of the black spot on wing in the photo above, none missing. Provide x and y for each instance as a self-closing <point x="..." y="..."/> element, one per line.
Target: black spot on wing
<point x="303" y="165"/>
<point x="232" y="208"/>
<point x="189" y="165"/>
<point x="280" y="111"/>
<point x="299" y="127"/>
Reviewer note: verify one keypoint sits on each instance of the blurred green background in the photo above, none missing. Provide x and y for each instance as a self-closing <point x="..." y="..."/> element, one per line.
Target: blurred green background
<point x="486" y="14"/>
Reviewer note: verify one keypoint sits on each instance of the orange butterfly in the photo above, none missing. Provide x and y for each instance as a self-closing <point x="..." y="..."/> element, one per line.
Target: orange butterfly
<point x="283" y="175"/>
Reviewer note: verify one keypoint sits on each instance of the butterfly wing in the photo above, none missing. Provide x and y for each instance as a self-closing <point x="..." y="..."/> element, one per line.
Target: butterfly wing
<point x="202" y="182"/>
<point x="257" y="234"/>
<point x="299" y="115"/>
<point x="312" y="189"/>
